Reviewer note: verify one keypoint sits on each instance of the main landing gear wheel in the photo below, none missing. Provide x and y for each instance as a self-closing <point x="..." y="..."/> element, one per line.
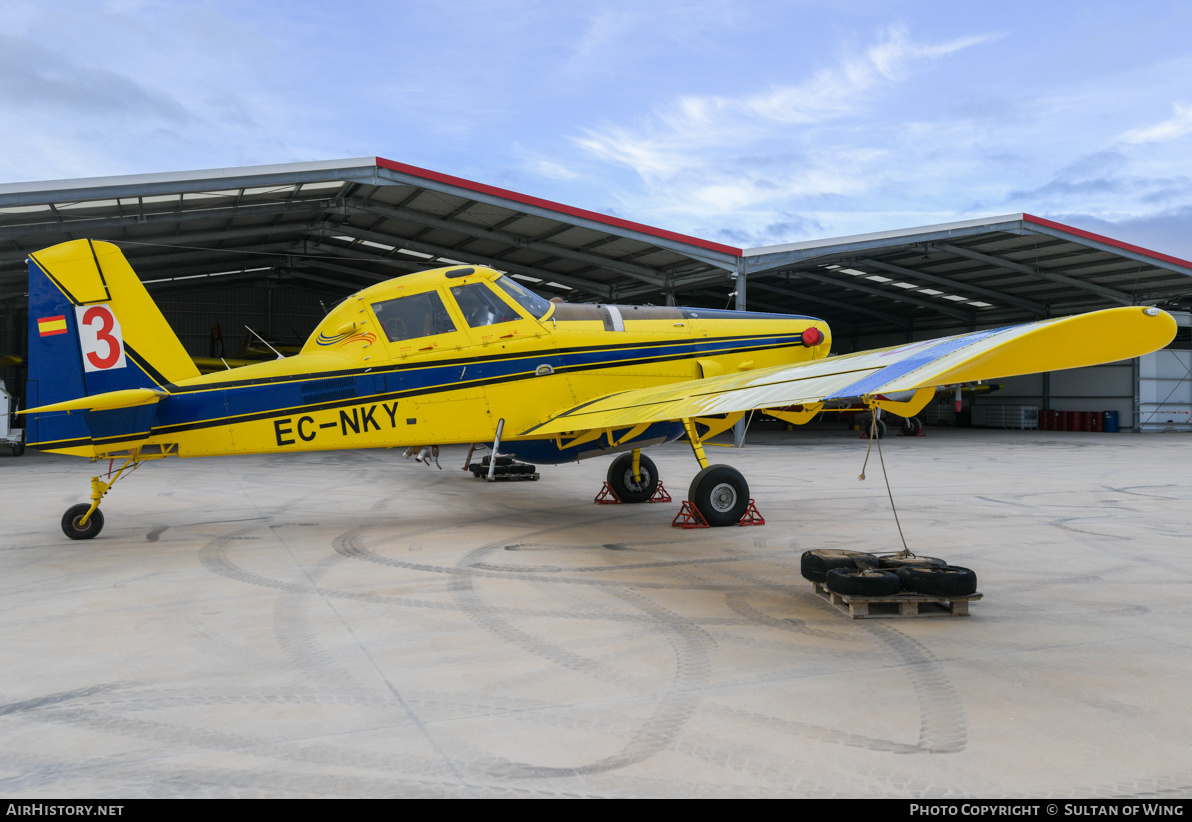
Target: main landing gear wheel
<point x="866" y="428"/>
<point x="628" y="489"/>
<point x="721" y="494"/>
<point x="71" y="526"/>
<point x="911" y="426"/>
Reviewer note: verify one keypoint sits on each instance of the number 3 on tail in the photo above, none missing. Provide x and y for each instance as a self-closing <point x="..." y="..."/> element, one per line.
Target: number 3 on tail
<point x="100" y="338"/>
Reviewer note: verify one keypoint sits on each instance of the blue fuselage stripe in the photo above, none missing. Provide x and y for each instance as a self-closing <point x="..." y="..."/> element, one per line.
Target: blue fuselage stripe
<point x="188" y="409"/>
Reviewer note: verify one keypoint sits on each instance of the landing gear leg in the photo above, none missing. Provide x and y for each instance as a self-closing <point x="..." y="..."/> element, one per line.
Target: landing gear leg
<point x="492" y="463"/>
<point x="719" y="492"/>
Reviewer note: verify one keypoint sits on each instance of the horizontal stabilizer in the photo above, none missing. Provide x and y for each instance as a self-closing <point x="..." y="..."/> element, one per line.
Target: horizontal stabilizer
<point x="1049" y="345"/>
<point x="128" y="398"/>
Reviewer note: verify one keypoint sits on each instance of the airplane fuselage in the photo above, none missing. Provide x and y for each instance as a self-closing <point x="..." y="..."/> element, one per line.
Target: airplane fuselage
<point x="367" y="378"/>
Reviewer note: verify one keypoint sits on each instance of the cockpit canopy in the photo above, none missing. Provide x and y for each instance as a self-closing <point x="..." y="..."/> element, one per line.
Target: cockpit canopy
<point x="426" y="314"/>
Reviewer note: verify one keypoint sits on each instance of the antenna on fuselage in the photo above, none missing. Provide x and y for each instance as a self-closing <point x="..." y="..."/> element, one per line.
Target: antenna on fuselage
<point x="280" y="355"/>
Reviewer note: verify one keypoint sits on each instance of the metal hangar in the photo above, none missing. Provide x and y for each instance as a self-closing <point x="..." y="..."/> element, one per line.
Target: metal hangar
<point x="273" y="246"/>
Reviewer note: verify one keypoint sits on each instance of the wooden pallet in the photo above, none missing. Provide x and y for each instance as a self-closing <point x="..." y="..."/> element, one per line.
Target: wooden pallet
<point x="897" y="605"/>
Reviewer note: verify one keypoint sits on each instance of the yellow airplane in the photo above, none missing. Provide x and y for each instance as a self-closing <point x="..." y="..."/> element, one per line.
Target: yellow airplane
<point x="466" y="355"/>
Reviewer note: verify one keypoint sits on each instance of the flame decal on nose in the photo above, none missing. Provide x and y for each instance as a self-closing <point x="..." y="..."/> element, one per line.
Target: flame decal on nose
<point x="367" y="337"/>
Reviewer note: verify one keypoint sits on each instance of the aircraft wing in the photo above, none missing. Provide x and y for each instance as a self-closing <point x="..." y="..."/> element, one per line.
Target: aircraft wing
<point x="1048" y="345"/>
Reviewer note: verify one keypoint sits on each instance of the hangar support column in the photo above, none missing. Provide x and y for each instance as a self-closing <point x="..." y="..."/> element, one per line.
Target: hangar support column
<point x="740" y="304"/>
<point x="743" y="423"/>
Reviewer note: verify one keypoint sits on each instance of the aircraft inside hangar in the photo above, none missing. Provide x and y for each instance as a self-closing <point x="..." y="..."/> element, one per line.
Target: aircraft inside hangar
<point x="223" y="583"/>
<point x="272" y="247"/>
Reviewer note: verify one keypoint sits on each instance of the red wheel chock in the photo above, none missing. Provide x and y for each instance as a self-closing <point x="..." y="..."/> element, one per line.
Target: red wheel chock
<point x="660" y="495"/>
<point x="607" y="496"/>
<point x="752" y="516"/>
<point x="689" y="517"/>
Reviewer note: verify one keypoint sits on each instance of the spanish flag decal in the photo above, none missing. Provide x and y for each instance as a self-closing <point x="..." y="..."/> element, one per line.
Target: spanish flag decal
<point x="49" y="326"/>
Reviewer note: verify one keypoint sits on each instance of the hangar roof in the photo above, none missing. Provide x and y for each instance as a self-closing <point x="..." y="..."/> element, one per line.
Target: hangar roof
<point x="1011" y="268"/>
<point x="345" y="224"/>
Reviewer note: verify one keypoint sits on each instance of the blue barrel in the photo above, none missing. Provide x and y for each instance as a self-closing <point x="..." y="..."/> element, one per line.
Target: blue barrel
<point x="1111" y="421"/>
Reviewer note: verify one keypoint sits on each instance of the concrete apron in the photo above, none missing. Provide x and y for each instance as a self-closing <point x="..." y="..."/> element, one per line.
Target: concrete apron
<point x="353" y="624"/>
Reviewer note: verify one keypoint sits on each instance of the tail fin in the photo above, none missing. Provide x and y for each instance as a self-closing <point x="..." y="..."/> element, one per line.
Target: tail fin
<point x="94" y="329"/>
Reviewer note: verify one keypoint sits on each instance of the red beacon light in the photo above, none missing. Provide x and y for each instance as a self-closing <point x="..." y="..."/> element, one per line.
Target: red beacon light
<point x="812" y="336"/>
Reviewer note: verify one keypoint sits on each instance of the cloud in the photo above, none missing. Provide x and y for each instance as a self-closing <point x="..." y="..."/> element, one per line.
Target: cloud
<point x="1165" y="231"/>
<point x="1103" y="182"/>
<point x="1177" y="126"/>
<point x="616" y="37"/>
<point x="787" y="228"/>
<point x="717" y="165"/>
<point x="841" y="90"/>
<point x="34" y="78"/>
<point x="543" y="167"/>
<point x="680" y="134"/>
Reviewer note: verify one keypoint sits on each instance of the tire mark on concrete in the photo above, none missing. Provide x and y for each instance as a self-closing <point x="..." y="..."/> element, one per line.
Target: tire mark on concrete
<point x="353" y="546"/>
<point x="943" y="727"/>
<point x="1063" y="523"/>
<point x="58" y="698"/>
<point x="167" y="780"/>
<point x="179" y="698"/>
<point x="691" y="647"/>
<point x="821" y="733"/>
<point x="1133" y="490"/>
<point x="213" y="556"/>
<point x="738" y="602"/>
<point x="324" y="755"/>
<point x="1169" y="786"/>
<point x="297" y="641"/>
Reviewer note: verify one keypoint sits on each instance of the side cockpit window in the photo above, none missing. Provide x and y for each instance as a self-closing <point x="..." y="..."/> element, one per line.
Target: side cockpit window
<point x="419" y="315"/>
<point x="482" y="307"/>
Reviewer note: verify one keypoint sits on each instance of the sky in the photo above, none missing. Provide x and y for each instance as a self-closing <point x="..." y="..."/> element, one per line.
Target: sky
<point x="747" y="122"/>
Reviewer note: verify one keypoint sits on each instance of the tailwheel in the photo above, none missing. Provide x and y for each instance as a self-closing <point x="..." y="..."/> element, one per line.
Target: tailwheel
<point x="85" y="520"/>
<point x="721" y="494"/>
<point x="626" y="486"/>
<point x="73" y="525"/>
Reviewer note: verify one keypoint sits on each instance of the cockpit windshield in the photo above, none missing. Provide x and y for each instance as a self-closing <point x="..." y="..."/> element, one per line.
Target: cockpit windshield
<point x="527" y="299"/>
<point x="482" y="307"/>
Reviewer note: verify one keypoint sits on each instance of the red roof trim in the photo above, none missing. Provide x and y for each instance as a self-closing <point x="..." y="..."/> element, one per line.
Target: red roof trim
<point x="1088" y="235"/>
<point x="553" y="206"/>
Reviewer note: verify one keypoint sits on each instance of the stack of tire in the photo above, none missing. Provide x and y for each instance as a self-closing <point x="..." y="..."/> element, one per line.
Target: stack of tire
<point x="856" y="573"/>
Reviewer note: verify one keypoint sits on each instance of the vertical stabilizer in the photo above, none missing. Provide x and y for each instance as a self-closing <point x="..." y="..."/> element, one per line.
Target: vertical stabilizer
<point x="93" y="328"/>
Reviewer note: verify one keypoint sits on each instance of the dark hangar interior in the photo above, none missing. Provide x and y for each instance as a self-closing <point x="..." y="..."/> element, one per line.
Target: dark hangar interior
<point x="272" y="247"/>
